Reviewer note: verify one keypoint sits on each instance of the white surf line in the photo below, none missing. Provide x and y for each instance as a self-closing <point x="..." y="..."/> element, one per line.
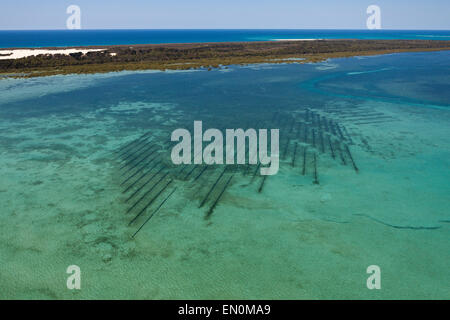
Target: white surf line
<point x="296" y="39"/>
<point x="23" y="53"/>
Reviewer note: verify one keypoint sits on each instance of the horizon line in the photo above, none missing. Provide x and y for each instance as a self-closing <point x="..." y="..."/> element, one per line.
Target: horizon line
<point x="223" y="29"/>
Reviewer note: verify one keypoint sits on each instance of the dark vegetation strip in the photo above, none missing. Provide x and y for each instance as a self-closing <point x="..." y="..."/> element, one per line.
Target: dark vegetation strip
<point x="196" y="55"/>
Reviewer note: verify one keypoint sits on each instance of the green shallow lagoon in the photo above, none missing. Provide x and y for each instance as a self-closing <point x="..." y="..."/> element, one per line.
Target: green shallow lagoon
<point x="64" y="165"/>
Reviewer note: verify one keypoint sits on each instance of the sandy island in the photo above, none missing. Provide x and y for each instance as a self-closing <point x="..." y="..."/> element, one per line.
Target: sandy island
<point x="24" y="62"/>
<point x="23" y="53"/>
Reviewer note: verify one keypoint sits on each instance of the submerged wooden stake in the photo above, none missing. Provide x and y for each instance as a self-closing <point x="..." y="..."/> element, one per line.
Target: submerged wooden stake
<point x="154" y="212"/>
<point x="200" y="174"/>
<point x="315" y="116"/>
<point x="339" y="131"/>
<point x="286" y="148"/>
<point x="190" y="172"/>
<point x="140" y="161"/>
<point x="256" y="170"/>
<point x="136" y="156"/>
<point x="262" y="184"/>
<point x="314" y="138"/>
<point x="141" y="177"/>
<point x="304" y="160"/>
<point x="136" y="172"/>
<point x="292" y="126"/>
<point x="325" y="122"/>
<point x="122" y="149"/>
<point x="306" y="134"/>
<point x="294" y="155"/>
<point x="332" y="127"/>
<point x="138" y="190"/>
<point x="184" y="166"/>
<point x="322" y="145"/>
<point x="316" y="179"/>
<point x="255" y="156"/>
<point x="135" y="152"/>
<point x="150" y="202"/>
<point x="331" y="148"/>
<point x="211" y="209"/>
<point x="351" y="158"/>
<point x="338" y="147"/>
<point x="212" y="188"/>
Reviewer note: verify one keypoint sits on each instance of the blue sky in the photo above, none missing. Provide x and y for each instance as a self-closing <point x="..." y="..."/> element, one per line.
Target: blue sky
<point x="227" y="14"/>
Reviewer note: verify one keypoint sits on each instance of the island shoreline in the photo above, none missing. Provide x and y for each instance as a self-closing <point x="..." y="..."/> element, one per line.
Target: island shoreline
<point x="185" y="56"/>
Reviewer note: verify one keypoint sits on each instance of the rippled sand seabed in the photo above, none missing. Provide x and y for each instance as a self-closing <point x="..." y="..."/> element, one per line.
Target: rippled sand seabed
<point x="65" y="198"/>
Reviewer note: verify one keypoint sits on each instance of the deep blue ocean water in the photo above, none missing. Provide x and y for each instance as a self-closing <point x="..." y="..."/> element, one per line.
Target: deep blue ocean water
<point x="60" y="38"/>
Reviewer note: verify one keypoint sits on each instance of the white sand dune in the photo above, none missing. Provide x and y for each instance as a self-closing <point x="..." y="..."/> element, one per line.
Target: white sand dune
<point x="23" y="53"/>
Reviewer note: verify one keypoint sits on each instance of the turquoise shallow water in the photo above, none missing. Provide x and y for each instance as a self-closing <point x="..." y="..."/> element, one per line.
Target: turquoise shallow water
<point x="71" y="184"/>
